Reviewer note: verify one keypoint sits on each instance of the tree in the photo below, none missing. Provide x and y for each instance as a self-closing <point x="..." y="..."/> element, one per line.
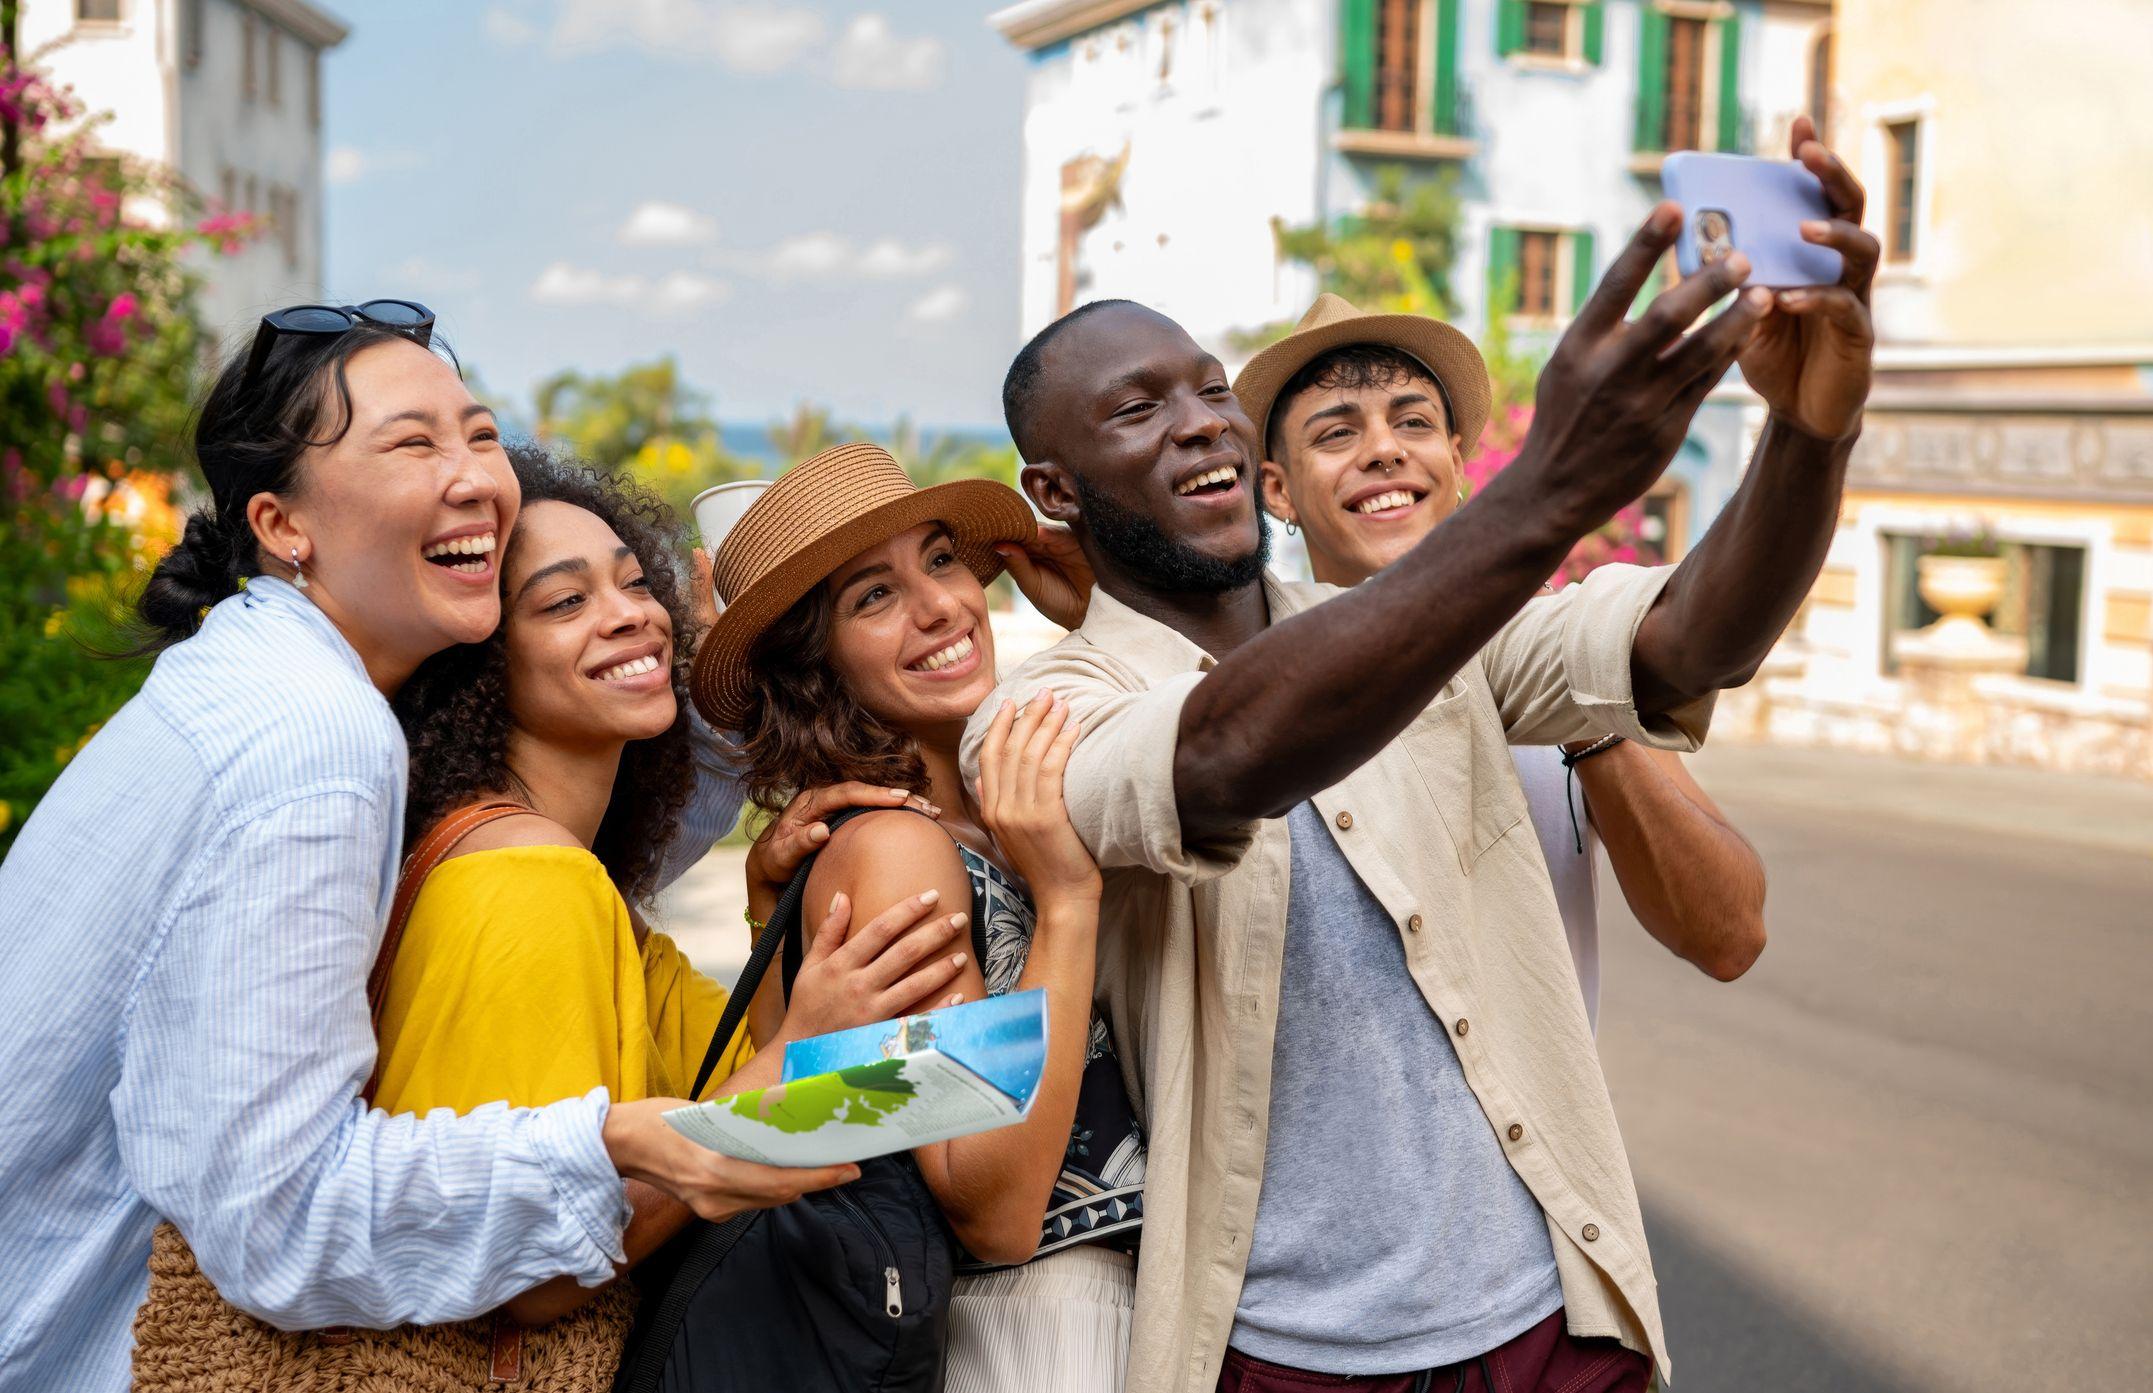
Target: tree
<point x="99" y="348"/>
<point x="642" y="421"/>
<point x="1395" y="257"/>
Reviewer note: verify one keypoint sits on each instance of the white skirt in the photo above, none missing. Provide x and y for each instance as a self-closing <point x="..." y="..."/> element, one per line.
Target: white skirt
<point x="1058" y="1324"/>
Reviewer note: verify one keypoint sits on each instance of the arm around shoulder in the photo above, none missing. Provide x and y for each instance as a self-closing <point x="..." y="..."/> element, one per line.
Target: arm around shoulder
<point x="239" y="1117"/>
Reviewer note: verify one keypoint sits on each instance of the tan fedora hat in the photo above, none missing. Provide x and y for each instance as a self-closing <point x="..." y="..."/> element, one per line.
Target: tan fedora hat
<point x="1333" y="322"/>
<point x="818" y="515"/>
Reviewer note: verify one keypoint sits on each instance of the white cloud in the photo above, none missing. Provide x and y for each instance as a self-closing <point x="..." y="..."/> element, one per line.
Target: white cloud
<point x="505" y="26"/>
<point x="563" y="284"/>
<point x="939" y="305"/>
<point x="677" y="292"/>
<point x="890" y="258"/>
<point x="869" y="55"/>
<point x="660" y="224"/>
<point x="683" y="291"/>
<point x="748" y="38"/>
<point x="348" y="165"/>
<point x="829" y="256"/>
<point x="810" y="256"/>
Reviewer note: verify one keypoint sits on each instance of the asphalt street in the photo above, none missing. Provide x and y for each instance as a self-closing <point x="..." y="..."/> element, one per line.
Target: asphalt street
<point x="1912" y="1149"/>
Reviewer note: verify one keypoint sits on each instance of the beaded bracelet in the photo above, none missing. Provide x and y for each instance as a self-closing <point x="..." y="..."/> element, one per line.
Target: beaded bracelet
<point x="1569" y="766"/>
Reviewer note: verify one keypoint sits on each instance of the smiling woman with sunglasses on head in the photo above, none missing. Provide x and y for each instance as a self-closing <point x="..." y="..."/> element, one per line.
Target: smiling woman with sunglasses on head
<point x="188" y="920"/>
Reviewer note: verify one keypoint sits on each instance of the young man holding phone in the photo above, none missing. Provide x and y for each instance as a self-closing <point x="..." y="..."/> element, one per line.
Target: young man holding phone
<point x="1382" y="1154"/>
<point x="1364" y="453"/>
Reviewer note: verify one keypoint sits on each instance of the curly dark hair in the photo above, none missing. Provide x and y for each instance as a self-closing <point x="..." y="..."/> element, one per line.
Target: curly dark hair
<point x="457" y="710"/>
<point x="1351" y="367"/>
<point x="803" y="728"/>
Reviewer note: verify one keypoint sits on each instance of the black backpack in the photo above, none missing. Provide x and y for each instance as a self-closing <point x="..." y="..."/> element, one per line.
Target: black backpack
<point x="843" y="1291"/>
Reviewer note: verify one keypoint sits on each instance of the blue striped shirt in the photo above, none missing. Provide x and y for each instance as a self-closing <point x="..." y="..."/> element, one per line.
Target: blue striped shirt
<point x="186" y="926"/>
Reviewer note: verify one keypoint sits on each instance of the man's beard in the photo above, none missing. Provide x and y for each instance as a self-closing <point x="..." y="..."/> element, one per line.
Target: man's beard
<point x="1157" y="561"/>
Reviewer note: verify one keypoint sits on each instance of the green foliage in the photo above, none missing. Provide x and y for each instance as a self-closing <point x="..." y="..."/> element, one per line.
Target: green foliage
<point x="99" y="344"/>
<point x="1394" y="257"/>
<point x="643" y="421"/>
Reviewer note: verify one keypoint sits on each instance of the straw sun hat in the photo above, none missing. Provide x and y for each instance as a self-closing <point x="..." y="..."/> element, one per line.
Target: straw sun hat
<point x="1333" y="322"/>
<point x="818" y="515"/>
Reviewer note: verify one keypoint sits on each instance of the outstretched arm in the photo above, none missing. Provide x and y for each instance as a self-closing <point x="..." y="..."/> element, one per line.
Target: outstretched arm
<point x="1733" y="596"/>
<point x="1690" y="878"/>
<point x="1309" y="700"/>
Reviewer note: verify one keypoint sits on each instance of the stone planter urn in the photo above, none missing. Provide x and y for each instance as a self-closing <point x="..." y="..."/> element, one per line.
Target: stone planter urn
<point x="1965" y="591"/>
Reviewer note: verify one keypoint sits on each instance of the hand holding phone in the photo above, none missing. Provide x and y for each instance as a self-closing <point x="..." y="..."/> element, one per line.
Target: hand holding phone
<point x="1755" y="206"/>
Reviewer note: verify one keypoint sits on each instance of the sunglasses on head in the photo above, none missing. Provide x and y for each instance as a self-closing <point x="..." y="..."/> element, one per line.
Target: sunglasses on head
<point x="407" y="317"/>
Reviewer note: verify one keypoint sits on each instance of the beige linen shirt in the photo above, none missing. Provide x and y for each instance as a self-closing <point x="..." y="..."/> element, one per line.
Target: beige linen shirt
<point x="1192" y="937"/>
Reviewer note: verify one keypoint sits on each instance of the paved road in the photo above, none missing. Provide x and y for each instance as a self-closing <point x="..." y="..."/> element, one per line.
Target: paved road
<point x="1913" y="1149"/>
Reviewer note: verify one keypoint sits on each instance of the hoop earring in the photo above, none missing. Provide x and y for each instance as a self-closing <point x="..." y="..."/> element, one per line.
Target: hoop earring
<point x="1461" y="495"/>
<point x="1293" y="529"/>
<point x="299" y="575"/>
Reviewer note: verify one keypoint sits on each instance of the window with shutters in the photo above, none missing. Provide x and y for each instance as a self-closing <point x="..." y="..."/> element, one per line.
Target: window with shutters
<point x="1550" y="33"/>
<point x="1400" y="78"/>
<point x="313" y="66"/>
<point x="190" y="28"/>
<point x="1536" y="274"/>
<point x="1682" y="92"/>
<point x="1398" y="65"/>
<point x="247" y="36"/>
<point x="273" y="51"/>
<point x="1688" y="77"/>
<point x="96" y="12"/>
<point x="1539" y="276"/>
<point x="1902" y="187"/>
<point x="1547" y="28"/>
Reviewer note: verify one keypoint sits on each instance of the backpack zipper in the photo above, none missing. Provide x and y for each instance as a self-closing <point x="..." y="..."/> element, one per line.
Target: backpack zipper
<point x="893" y="1296"/>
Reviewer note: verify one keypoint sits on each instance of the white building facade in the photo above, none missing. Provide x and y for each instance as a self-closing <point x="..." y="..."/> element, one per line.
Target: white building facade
<point x="228" y="95"/>
<point x="1163" y="140"/>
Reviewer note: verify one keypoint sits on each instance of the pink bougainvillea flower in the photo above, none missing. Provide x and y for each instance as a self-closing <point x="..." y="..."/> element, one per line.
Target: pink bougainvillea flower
<point x="123" y="306"/>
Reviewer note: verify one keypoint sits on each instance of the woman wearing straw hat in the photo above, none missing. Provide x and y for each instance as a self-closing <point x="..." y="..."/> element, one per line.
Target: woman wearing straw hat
<point x="854" y="645"/>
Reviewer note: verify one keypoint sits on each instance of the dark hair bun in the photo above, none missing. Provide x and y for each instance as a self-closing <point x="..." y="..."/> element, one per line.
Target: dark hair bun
<point x="196" y="573"/>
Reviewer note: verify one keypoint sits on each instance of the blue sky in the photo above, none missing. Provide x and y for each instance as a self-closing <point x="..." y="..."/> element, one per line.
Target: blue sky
<point x="802" y="201"/>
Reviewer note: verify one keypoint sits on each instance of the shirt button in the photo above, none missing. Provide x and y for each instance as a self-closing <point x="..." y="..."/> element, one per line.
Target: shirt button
<point x="1517" y="1131"/>
<point x="1345" y="821"/>
<point x="1412" y="923"/>
<point x="1591" y="1233"/>
<point x="1464" y="1025"/>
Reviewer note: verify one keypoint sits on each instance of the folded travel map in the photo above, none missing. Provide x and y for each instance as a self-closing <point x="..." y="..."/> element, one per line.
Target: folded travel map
<point x="888" y="1087"/>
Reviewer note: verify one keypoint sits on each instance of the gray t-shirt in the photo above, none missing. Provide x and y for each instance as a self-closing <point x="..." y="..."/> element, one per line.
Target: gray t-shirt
<point x="1391" y="1233"/>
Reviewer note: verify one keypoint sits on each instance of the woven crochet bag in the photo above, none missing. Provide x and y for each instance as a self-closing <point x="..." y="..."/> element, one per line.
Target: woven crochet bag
<point x="188" y="1339"/>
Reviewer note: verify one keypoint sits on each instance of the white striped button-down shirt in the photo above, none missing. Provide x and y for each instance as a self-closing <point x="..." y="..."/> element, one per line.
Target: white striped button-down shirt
<point x="186" y="926"/>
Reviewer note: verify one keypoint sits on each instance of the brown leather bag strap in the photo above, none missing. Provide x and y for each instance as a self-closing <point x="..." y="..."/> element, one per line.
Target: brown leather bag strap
<point x="431" y="851"/>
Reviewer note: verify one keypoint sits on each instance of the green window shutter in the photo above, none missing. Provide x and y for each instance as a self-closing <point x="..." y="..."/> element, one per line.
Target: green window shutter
<point x="1446" y="68"/>
<point x="1595" y="31"/>
<point x="1502" y="271"/>
<point x="1509" y="26"/>
<point x="1651" y="76"/>
<point x="1357" y="41"/>
<point x="1582" y="268"/>
<point x="1730" y="86"/>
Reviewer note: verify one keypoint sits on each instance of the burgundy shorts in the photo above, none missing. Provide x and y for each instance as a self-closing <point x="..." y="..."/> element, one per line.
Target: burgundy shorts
<point x="1545" y="1359"/>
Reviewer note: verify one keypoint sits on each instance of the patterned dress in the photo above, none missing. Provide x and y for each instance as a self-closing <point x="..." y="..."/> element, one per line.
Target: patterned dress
<point x="1099" y="1195"/>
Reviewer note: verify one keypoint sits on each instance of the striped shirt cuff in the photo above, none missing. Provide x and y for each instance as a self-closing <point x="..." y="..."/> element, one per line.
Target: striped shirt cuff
<point x="568" y="1138"/>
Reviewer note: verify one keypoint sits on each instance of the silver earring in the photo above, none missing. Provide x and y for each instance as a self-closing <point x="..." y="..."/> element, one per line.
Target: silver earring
<point x="299" y="576"/>
<point x="1461" y="495"/>
<point x="1293" y="529"/>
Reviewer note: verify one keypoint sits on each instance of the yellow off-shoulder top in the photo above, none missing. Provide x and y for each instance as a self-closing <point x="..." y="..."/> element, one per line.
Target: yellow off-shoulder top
<point x="519" y="980"/>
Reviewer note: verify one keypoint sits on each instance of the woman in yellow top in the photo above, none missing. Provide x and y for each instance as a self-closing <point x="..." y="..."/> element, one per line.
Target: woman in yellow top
<point x="524" y="976"/>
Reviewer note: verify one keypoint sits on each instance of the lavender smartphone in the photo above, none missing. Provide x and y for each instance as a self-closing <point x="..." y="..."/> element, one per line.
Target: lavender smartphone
<point x="1740" y="203"/>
